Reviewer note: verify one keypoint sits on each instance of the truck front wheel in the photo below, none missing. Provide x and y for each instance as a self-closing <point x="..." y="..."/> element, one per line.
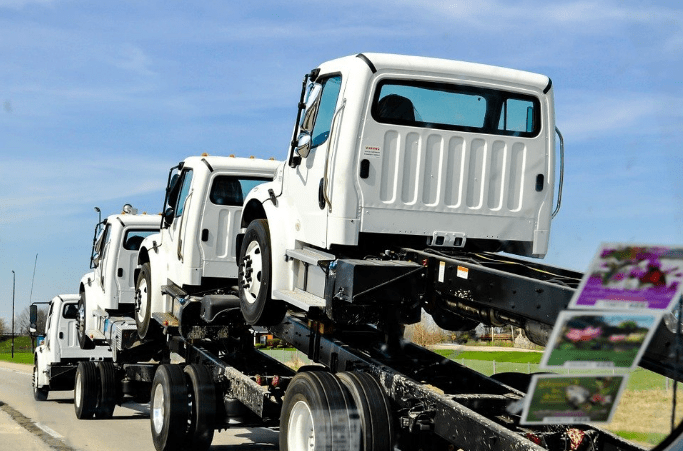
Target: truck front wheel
<point x="254" y="279"/>
<point x="39" y="393"/>
<point x="83" y="340"/>
<point x="316" y="415"/>
<point x="143" y="303"/>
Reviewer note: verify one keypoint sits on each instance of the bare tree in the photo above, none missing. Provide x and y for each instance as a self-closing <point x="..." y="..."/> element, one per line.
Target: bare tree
<point x="426" y="332"/>
<point x="3" y="326"/>
<point x="23" y="322"/>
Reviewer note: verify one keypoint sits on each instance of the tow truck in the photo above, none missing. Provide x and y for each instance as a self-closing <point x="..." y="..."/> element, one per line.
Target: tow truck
<point x="408" y="184"/>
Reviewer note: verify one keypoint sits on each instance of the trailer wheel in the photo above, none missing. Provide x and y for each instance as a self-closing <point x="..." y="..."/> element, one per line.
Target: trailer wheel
<point x="83" y="340"/>
<point x="373" y="408"/>
<point x="316" y="415"/>
<point x="258" y="308"/>
<point x="106" y="402"/>
<point x="202" y="407"/>
<point x="39" y="393"/>
<point x="143" y="303"/>
<point x="86" y="390"/>
<point x="169" y="408"/>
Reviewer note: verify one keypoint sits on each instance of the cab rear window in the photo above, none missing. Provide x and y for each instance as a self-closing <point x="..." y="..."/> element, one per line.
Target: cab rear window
<point x="456" y="107"/>
<point x="231" y="190"/>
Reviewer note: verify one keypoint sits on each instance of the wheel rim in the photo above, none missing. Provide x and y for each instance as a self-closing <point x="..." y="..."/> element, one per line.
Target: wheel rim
<point x="141" y="300"/>
<point x="35" y="379"/>
<point x="158" y="410"/>
<point x="81" y="319"/>
<point x="77" y="390"/>
<point x="253" y="268"/>
<point x="300" y="433"/>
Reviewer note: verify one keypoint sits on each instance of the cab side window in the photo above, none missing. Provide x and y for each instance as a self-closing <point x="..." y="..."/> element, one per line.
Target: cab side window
<point x="328" y="104"/>
<point x="185" y="183"/>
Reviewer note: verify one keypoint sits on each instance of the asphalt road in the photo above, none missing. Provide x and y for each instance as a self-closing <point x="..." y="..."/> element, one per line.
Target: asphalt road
<point x="26" y="424"/>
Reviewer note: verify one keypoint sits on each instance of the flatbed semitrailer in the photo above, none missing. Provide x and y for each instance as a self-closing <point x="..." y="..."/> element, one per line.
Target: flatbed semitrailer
<point x="435" y="402"/>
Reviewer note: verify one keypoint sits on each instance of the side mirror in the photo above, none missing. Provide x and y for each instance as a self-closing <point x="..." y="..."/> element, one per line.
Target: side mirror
<point x="169" y="214"/>
<point x="33" y="318"/>
<point x="303" y="147"/>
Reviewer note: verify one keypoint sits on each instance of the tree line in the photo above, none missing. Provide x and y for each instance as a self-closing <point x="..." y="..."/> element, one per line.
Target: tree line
<point x="22" y="323"/>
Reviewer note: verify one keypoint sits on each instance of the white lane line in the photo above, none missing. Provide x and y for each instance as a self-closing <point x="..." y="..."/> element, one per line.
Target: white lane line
<point x="49" y="431"/>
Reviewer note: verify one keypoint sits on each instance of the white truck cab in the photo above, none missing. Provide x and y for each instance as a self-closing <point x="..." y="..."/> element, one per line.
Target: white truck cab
<point x="402" y="151"/>
<point x="56" y="359"/>
<point x="195" y="251"/>
<point x="110" y="286"/>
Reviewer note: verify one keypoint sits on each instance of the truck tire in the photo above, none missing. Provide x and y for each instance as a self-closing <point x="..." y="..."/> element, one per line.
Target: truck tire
<point x="106" y="401"/>
<point x="169" y="411"/>
<point x="86" y="390"/>
<point x="373" y="408"/>
<point x="202" y="395"/>
<point x="83" y="340"/>
<point x="39" y="393"/>
<point x="254" y="279"/>
<point x="143" y="303"/>
<point x="315" y="415"/>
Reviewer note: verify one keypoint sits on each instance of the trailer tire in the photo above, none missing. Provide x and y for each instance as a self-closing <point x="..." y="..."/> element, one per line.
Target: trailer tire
<point x="143" y="304"/>
<point x="255" y="265"/>
<point x="39" y="393"/>
<point x="315" y="415"/>
<point x="83" y="340"/>
<point x="168" y="408"/>
<point x="203" y="407"/>
<point x="86" y="390"/>
<point x="106" y="402"/>
<point x="373" y="408"/>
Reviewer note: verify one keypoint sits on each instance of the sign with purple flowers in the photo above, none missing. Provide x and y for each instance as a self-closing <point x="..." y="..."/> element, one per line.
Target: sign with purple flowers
<point x="600" y="339"/>
<point x="627" y="276"/>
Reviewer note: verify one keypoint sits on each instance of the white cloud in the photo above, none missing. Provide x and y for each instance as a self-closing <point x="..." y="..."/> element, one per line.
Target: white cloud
<point x="56" y="188"/>
<point x="585" y="115"/>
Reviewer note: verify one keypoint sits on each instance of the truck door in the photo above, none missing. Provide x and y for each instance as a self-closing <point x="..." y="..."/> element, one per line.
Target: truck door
<point x="127" y="262"/>
<point x="67" y="341"/>
<point x="176" y="232"/>
<point x="101" y="256"/>
<point x="308" y="180"/>
<point x="220" y="223"/>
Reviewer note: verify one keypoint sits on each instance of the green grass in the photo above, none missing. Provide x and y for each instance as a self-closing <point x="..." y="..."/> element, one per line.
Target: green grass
<point x="651" y="438"/>
<point x="19" y="357"/>
<point x="498" y="356"/>
<point x="21" y="344"/>
<point x="22" y="350"/>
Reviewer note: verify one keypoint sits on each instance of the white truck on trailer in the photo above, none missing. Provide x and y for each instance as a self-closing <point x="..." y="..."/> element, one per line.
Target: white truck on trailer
<point x="391" y="152"/>
<point x="194" y="253"/>
<point x="57" y="357"/>
<point x="109" y="289"/>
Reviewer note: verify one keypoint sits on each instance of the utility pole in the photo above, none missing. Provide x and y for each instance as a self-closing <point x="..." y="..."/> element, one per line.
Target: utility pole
<point x="14" y="277"/>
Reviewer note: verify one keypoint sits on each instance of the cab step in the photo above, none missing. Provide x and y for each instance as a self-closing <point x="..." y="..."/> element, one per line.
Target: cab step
<point x="301" y="299"/>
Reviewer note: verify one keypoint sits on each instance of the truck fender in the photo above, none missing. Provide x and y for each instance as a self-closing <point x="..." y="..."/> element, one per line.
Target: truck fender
<point x="40" y="361"/>
<point x="87" y="286"/>
<point x="149" y="253"/>
<point x="260" y="206"/>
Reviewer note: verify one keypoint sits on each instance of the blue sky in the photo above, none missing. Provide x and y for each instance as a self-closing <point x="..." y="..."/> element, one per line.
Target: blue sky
<point x="100" y="99"/>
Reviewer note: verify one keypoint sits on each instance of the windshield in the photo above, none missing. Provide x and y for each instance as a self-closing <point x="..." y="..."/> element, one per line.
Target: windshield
<point x="456" y="107"/>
